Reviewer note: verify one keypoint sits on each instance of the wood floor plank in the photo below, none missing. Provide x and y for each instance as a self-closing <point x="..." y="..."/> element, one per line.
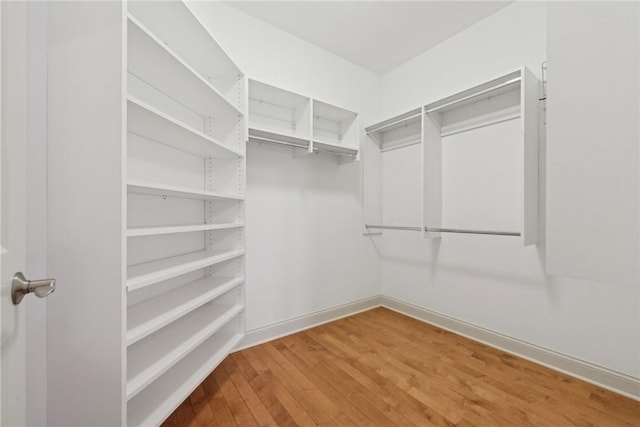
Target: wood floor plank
<point x="237" y="405"/>
<point x="249" y="397"/>
<point x="381" y="368"/>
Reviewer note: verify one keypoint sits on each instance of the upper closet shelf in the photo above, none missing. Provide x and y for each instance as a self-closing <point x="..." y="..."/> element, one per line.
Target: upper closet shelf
<point x="485" y="91"/>
<point x="147" y="121"/>
<point x="153" y="189"/>
<point x="257" y="134"/>
<point x="278" y="116"/>
<point x="330" y="147"/>
<point x="399" y="131"/>
<point x="177" y="26"/>
<point x="151" y="60"/>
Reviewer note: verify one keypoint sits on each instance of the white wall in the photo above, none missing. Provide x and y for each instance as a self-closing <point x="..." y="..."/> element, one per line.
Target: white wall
<point x="494" y="282"/>
<point x="305" y="250"/>
<point x="592" y="206"/>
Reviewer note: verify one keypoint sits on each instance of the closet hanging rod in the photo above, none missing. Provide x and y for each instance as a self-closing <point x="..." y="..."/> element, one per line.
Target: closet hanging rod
<point x="392" y="227"/>
<point x="443" y="230"/>
<point x="435" y="107"/>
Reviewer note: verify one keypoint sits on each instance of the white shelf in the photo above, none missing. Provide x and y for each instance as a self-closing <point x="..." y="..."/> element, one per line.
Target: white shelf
<point x="257" y="134"/>
<point x="147" y="121"/>
<point x="188" y="38"/>
<point x="153" y="61"/>
<point x="149" y="316"/>
<point x="335" y="129"/>
<point x="152" y="189"/>
<point x="150" y="358"/>
<point x="397" y="132"/>
<point x="279" y="115"/>
<point x="483" y="91"/>
<point x="171" y="229"/>
<point x="148" y="273"/>
<point x="154" y="404"/>
<point x="331" y="147"/>
<point x="399" y="121"/>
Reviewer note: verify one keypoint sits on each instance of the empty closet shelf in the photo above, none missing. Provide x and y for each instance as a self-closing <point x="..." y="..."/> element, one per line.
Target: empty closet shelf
<point x="273" y="137"/>
<point x="150" y="358"/>
<point x="331" y="147"/>
<point x="151" y="123"/>
<point x="153" y="189"/>
<point x="154" y="62"/>
<point x="141" y="275"/>
<point x="171" y="229"/>
<point x="397" y="122"/>
<point x="149" y="316"/>
<point x="152" y="405"/>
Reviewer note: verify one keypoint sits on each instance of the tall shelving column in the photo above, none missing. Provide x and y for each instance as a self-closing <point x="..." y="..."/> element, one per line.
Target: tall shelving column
<point x="185" y="207"/>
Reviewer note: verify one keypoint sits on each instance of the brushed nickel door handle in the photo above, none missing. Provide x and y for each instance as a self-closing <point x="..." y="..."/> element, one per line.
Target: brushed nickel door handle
<point x="20" y="287"/>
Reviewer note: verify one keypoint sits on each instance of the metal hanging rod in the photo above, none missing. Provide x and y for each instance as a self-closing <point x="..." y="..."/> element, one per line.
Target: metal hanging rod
<point x="453" y="230"/>
<point x="443" y="230"/>
<point x="392" y="227"/>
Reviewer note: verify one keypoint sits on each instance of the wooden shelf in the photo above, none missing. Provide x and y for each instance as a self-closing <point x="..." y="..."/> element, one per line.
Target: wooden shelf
<point x="150" y="358"/>
<point x="147" y="121"/>
<point x="148" y="273"/>
<point x="274" y="137"/>
<point x="333" y="148"/>
<point x="154" y="62"/>
<point x="171" y="229"/>
<point x="152" y="189"/>
<point x="154" y="404"/>
<point x="149" y="316"/>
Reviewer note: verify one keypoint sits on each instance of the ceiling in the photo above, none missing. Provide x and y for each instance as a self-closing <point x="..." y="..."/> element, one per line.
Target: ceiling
<point x="378" y="35"/>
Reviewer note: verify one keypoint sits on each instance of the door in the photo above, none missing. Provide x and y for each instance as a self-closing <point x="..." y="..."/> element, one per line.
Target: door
<point x="13" y="128"/>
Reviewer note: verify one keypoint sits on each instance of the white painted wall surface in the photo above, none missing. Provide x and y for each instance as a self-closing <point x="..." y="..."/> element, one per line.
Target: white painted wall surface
<point x="593" y="134"/>
<point x="494" y="282"/>
<point x="305" y="250"/>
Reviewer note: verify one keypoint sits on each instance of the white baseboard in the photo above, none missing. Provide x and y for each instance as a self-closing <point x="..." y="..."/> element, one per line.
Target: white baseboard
<point x="598" y="375"/>
<point x="288" y="327"/>
<point x="617" y="382"/>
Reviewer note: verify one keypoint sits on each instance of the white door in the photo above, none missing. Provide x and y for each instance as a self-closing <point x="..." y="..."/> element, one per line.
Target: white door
<point x="13" y="209"/>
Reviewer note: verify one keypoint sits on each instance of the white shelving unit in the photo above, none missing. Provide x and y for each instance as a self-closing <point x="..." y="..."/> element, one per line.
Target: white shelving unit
<point x="278" y="116"/>
<point x="335" y="129"/>
<point x="509" y="97"/>
<point x="185" y="94"/>
<point x="171" y="305"/>
<point x="150" y="406"/>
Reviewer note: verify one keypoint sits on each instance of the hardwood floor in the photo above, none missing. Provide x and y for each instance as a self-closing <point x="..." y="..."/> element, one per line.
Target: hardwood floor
<point x="380" y="368"/>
